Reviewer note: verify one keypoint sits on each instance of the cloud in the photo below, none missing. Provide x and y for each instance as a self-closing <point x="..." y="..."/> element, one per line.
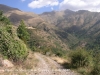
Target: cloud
<point x="91" y="5"/>
<point x="23" y="0"/>
<point x="43" y="3"/>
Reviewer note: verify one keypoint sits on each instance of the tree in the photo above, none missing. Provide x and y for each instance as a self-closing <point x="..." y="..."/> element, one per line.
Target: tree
<point x="22" y="32"/>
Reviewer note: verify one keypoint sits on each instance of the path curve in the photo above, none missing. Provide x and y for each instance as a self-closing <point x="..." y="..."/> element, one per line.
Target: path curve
<point x="48" y="66"/>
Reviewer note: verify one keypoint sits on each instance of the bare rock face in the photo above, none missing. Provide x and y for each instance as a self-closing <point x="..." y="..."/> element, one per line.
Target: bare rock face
<point x="6" y="63"/>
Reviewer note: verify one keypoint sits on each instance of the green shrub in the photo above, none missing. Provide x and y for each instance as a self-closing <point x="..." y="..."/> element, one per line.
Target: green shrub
<point x="95" y="70"/>
<point x="80" y="58"/>
<point x="11" y="46"/>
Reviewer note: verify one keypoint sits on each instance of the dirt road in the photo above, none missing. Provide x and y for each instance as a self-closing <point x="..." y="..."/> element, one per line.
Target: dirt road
<point x="44" y="66"/>
<point x="47" y="66"/>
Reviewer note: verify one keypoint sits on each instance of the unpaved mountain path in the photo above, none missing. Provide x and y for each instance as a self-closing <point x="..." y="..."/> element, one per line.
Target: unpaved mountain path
<point x="47" y="66"/>
<point x="43" y="65"/>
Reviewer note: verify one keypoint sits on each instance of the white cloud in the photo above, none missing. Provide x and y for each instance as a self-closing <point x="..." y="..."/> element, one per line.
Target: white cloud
<point x="43" y="3"/>
<point x="23" y="0"/>
<point x="91" y="5"/>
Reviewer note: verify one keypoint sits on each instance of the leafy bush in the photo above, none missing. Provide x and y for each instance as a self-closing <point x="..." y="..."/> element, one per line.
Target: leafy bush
<point x="10" y="45"/>
<point x="96" y="66"/>
<point x="95" y="70"/>
<point x="80" y="58"/>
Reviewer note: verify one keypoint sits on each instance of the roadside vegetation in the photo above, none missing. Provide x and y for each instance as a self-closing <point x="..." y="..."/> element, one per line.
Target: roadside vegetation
<point x="11" y="46"/>
<point x="84" y="62"/>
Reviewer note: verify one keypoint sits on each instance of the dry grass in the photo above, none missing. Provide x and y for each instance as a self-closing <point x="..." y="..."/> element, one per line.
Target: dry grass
<point x="59" y="60"/>
<point x="31" y="61"/>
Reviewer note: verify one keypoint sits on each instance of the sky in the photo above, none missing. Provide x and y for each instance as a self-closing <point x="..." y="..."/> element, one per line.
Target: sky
<point x="40" y="6"/>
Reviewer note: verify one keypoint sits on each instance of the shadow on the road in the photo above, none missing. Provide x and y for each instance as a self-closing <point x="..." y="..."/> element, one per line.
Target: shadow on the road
<point x="66" y="65"/>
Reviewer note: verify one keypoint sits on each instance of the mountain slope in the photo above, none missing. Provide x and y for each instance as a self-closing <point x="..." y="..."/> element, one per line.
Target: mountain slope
<point x="82" y="25"/>
<point x="5" y="8"/>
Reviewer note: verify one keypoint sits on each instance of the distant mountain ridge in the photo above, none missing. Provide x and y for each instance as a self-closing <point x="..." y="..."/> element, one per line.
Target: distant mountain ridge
<point x="67" y="27"/>
<point x="5" y="8"/>
<point x="82" y="25"/>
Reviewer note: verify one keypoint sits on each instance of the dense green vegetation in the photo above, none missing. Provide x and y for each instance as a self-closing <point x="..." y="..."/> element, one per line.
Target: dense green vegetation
<point x="11" y="46"/>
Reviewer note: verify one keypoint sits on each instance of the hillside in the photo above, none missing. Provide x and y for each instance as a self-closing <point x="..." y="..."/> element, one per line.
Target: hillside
<point x="32" y="40"/>
<point x="16" y="56"/>
<point x="82" y="25"/>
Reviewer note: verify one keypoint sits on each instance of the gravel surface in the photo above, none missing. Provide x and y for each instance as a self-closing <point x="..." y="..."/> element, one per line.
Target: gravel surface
<point x="48" y="66"/>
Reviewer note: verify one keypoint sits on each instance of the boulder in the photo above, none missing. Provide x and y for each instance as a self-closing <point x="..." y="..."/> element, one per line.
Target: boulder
<point x="6" y="63"/>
